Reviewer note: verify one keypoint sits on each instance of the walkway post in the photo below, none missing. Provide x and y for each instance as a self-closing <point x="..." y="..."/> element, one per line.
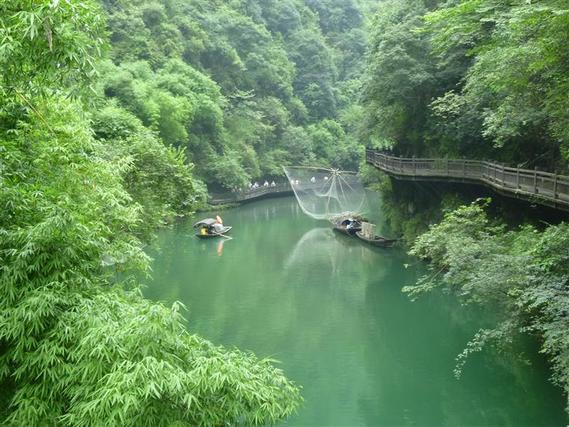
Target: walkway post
<point x="485" y="172"/>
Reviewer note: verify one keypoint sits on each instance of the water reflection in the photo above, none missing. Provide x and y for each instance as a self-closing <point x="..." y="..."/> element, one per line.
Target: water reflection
<point x="331" y="309"/>
<point x="325" y="246"/>
<point x="220" y="247"/>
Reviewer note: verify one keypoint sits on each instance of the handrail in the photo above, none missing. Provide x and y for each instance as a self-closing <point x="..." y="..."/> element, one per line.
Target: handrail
<point x="250" y="194"/>
<point x="543" y="187"/>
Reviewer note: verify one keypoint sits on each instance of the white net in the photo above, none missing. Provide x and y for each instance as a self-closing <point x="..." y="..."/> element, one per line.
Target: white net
<point x="327" y="193"/>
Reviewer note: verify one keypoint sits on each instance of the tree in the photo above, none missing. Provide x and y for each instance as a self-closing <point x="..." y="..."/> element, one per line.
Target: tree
<point x="400" y="80"/>
<point x="78" y="343"/>
<point x="521" y="274"/>
<point x="35" y="37"/>
<point x="519" y="76"/>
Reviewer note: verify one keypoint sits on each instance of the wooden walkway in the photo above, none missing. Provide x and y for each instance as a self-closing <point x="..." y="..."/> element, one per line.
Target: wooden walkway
<point x="249" y="195"/>
<point x="536" y="186"/>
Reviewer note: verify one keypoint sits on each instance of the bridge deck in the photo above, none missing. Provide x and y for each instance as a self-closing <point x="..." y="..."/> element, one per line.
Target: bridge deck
<point x="244" y="196"/>
<point x="540" y="187"/>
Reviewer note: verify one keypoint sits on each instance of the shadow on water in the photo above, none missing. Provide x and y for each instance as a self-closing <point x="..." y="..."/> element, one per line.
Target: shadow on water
<point x="331" y="309"/>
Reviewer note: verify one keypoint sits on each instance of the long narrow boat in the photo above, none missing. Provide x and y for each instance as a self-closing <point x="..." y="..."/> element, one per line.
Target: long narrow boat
<point x="209" y="227"/>
<point x="378" y="241"/>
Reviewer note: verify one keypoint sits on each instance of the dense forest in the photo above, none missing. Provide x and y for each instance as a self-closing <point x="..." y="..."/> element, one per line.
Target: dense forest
<point x="241" y="87"/>
<point x="116" y="117"/>
<point x="480" y="79"/>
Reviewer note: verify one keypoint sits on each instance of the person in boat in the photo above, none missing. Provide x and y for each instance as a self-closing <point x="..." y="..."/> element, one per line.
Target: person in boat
<point x="218" y="225"/>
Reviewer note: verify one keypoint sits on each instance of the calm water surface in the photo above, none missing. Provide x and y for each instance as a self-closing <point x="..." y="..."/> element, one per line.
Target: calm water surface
<point x="331" y="309"/>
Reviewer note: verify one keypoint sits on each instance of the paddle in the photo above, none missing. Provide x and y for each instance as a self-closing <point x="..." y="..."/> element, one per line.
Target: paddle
<point x="221" y="235"/>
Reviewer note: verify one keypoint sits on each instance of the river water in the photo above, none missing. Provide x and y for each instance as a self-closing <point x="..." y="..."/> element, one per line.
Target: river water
<point x="331" y="310"/>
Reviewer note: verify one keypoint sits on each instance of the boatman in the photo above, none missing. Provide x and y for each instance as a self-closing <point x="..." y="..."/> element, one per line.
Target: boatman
<point x="218" y="226"/>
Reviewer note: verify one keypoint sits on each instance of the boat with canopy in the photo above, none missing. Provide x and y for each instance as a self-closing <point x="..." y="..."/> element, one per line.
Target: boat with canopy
<point x="337" y="196"/>
<point x="211" y="227"/>
<point x="346" y="224"/>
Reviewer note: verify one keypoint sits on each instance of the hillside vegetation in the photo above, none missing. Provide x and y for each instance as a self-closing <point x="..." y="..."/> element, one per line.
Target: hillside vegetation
<point x="474" y="78"/>
<point x="242" y="87"/>
<point x="481" y="79"/>
<point x="114" y="117"/>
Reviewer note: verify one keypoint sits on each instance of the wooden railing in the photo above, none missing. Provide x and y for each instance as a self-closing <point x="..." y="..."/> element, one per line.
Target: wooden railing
<point x="542" y="187"/>
<point x="243" y="196"/>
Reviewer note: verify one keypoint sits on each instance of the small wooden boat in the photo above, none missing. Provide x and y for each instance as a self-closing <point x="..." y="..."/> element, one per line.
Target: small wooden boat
<point x="375" y="240"/>
<point x="209" y="227"/>
<point x="348" y="226"/>
<point x="367" y="234"/>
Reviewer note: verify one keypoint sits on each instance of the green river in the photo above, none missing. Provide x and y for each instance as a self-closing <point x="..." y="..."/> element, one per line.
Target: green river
<point x="332" y="311"/>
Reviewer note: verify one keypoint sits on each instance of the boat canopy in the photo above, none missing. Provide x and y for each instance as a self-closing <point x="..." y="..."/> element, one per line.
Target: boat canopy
<point x="208" y="222"/>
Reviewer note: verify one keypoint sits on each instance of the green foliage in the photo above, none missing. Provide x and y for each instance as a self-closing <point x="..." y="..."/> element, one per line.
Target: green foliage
<point x="36" y="35"/>
<point x="181" y="104"/>
<point x="157" y="177"/>
<point x="76" y="192"/>
<point x="401" y="77"/>
<point x="330" y="141"/>
<point x="517" y="66"/>
<point x="478" y="78"/>
<point x="233" y="84"/>
<point x="76" y="350"/>
<point x="521" y="275"/>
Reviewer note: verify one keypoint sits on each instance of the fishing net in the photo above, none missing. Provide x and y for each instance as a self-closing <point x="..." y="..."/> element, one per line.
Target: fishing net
<point x="327" y="193"/>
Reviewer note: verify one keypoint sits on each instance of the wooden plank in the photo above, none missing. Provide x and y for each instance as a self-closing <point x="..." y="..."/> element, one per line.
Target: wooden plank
<point x="548" y="186"/>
